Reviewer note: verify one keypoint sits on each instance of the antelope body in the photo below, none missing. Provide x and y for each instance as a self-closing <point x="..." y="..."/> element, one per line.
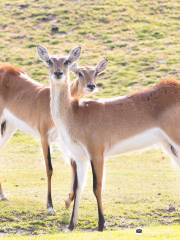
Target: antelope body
<point x="93" y="130"/>
<point x="25" y="105"/>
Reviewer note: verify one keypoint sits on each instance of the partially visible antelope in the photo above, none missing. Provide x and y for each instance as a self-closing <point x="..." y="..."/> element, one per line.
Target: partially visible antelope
<point x="92" y="130"/>
<point x="25" y="105"/>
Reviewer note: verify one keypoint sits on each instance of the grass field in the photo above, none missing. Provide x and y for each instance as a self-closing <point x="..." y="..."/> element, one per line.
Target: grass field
<point x="158" y="233"/>
<point x="141" y="41"/>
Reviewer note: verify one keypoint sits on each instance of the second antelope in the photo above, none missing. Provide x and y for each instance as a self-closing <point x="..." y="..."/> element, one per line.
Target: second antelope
<point x="93" y="130"/>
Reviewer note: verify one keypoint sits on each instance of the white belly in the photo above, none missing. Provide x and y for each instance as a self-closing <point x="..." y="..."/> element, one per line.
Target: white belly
<point x="146" y="139"/>
<point x="19" y="124"/>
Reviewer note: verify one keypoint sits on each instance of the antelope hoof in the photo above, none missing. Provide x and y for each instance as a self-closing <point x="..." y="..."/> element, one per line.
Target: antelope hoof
<point x="3" y="198"/>
<point x="71" y="227"/>
<point x="51" y="211"/>
<point x="101" y="226"/>
<point x="67" y="203"/>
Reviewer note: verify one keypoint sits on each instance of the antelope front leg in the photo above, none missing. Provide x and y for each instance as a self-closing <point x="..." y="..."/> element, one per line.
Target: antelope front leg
<point x="2" y="197"/>
<point x="97" y="170"/>
<point x="6" y="131"/>
<point x="71" y="194"/>
<point x="80" y="178"/>
<point x="49" y="171"/>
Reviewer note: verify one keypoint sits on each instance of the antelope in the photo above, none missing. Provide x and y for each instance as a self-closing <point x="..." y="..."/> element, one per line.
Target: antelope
<point x="90" y="131"/>
<point x="25" y="105"/>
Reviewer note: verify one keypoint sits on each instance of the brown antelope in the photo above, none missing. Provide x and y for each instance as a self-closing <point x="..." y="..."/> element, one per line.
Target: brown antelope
<point x="25" y="105"/>
<point x="92" y="130"/>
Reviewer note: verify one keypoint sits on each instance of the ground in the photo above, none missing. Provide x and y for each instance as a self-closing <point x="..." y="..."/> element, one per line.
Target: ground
<point x="141" y="41"/>
<point x="150" y="233"/>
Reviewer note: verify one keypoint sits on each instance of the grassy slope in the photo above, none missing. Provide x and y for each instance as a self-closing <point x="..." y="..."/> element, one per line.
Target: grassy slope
<point x="141" y="42"/>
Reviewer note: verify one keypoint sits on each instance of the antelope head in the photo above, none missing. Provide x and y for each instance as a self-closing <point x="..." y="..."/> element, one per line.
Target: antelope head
<point x="58" y="66"/>
<point x="86" y="76"/>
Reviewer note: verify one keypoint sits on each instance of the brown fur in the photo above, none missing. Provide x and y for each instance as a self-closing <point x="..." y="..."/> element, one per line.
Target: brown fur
<point x="27" y="95"/>
<point x="150" y="104"/>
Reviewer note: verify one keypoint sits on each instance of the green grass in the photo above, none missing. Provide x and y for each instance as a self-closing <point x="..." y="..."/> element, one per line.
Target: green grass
<point x="151" y="233"/>
<point x="141" y="190"/>
<point x="141" y="41"/>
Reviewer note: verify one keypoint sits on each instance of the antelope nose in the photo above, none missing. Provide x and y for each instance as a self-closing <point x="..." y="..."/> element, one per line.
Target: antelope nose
<point x="58" y="74"/>
<point x="91" y="86"/>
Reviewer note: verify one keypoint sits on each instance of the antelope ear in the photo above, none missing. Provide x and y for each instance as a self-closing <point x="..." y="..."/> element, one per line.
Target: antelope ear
<point x="74" y="67"/>
<point x="43" y="53"/>
<point x="101" y="66"/>
<point x="74" y="55"/>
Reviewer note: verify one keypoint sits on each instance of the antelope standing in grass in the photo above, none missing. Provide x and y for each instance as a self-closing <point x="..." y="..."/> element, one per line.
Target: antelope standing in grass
<point x="92" y="130"/>
<point x="25" y="105"/>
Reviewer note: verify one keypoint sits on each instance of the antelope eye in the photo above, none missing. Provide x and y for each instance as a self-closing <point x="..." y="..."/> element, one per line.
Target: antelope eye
<point x="50" y="62"/>
<point x="80" y="75"/>
<point x="66" y="62"/>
